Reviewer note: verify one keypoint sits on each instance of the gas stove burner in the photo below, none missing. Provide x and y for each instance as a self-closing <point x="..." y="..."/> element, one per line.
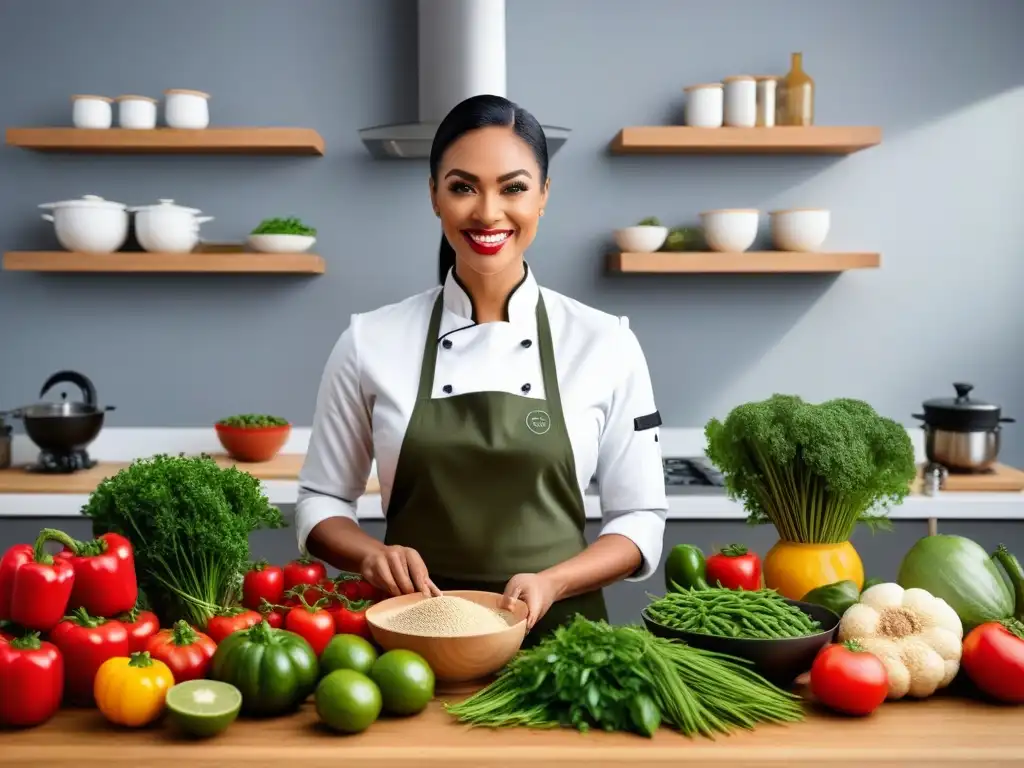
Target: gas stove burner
<point x="62" y="463"/>
<point x="687" y="471"/>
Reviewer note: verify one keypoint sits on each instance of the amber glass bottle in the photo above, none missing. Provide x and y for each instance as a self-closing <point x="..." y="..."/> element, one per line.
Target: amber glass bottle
<point x="796" y="95"/>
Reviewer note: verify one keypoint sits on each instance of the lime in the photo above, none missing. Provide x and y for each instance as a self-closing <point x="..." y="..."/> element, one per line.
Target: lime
<point x="203" y="707"/>
<point x="348" y="652"/>
<point x="348" y="701"/>
<point x="406" y="681"/>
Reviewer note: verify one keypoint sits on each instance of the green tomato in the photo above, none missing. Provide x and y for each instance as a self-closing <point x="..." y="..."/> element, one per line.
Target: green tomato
<point x="275" y="670"/>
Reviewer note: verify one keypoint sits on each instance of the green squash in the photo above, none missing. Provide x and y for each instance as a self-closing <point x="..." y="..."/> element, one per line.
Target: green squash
<point x="963" y="574"/>
<point x="837" y="597"/>
<point x="275" y="670"/>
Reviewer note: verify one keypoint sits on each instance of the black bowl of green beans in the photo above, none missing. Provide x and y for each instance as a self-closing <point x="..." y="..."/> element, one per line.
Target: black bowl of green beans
<point x="779" y="636"/>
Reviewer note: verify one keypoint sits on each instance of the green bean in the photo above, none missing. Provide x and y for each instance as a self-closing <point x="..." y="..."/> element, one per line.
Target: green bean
<point x="759" y="614"/>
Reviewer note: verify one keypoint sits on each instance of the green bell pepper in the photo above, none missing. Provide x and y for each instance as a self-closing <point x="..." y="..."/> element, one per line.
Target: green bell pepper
<point x="685" y="568"/>
<point x="274" y="669"/>
<point x="837" y="597"/>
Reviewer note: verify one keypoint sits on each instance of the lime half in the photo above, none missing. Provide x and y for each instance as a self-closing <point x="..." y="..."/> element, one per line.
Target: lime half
<point x="203" y="707"/>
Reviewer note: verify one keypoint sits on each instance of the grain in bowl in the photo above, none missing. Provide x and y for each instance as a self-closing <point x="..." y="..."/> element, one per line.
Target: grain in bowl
<point x="446" y="616"/>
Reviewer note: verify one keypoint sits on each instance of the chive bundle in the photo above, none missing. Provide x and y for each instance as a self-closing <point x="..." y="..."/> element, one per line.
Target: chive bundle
<point x="756" y="614"/>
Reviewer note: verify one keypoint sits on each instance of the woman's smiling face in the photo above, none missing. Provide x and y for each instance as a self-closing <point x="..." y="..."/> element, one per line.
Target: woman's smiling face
<point x="490" y="195"/>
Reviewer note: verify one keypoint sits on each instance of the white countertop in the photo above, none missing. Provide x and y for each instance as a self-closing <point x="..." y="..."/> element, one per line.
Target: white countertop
<point x="127" y="443"/>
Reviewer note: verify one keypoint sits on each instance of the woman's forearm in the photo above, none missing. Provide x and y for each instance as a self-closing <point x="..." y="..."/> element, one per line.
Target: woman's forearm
<point x="609" y="559"/>
<point x="340" y="542"/>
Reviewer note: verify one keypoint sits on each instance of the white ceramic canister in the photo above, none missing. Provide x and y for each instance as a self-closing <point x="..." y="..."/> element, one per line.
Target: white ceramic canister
<point x="136" y="112"/>
<point x="740" y="101"/>
<point x="186" y="109"/>
<point x="703" y="105"/>
<point x="89" y="224"/>
<point x="168" y="228"/>
<point x="91" y="111"/>
<point x="766" y="87"/>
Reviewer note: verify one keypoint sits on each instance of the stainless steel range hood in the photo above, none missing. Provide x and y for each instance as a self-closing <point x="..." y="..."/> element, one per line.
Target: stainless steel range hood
<point x="461" y="54"/>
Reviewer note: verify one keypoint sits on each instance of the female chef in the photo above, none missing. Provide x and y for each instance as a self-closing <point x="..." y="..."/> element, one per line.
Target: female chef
<point x="486" y="438"/>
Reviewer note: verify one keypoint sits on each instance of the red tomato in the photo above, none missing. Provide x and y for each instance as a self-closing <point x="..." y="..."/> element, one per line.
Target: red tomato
<point x="369" y="592"/>
<point x="262" y="582"/>
<point x="275" y="618"/>
<point x="184" y="650"/>
<point x="314" y="624"/>
<point x="848" y="679"/>
<point x="141" y="626"/>
<point x="303" y="570"/>
<point x="232" y="620"/>
<point x="734" y="568"/>
<point x="350" y="618"/>
<point x="993" y="659"/>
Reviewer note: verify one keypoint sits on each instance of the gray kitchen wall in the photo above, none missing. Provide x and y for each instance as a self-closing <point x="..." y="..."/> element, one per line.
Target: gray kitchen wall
<point x="940" y="198"/>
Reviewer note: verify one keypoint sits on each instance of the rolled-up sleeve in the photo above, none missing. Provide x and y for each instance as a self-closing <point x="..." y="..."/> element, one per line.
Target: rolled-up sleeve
<point x="629" y="468"/>
<point x="340" y="452"/>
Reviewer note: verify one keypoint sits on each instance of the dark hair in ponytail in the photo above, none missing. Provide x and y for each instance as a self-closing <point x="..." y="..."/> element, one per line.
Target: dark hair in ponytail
<point x="481" y="112"/>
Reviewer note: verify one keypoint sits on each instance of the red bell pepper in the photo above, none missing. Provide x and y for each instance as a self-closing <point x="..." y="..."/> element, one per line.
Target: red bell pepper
<point x="262" y="582"/>
<point x="105" y="583"/>
<point x="86" y="642"/>
<point x="32" y="680"/>
<point x="312" y="622"/>
<point x="734" y="568"/>
<point x="38" y="587"/>
<point x="141" y="626"/>
<point x="350" y="617"/>
<point x="13" y="559"/>
<point x="185" y="651"/>
<point x="303" y="570"/>
<point x="231" y="620"/>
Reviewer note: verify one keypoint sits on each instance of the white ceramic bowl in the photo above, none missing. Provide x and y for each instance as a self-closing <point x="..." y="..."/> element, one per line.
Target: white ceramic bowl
<point x="800" y="229"/>
<point x="281" y="243"/>
<point x="89" y="224"/>
<point x="732" y="230"/>
<point x="645" y="239"/>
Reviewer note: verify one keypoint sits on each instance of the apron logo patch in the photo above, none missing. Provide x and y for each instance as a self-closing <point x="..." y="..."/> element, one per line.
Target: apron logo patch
<point x="539" y="422"/>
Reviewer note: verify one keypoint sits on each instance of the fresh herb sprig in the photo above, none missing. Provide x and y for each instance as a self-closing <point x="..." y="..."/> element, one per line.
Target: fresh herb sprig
<point x="289" y="225"/>
<point x="253" y="420"/>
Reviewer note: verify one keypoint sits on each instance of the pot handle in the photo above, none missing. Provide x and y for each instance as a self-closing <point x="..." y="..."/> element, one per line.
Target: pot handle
<point x="918" y="416"/>
<point x="72" y="377"/>
<point x="47" y="217"/>
<point x="110" y="408"/>
<point x="203" y="219"/>
<point x="1007" y="420"/>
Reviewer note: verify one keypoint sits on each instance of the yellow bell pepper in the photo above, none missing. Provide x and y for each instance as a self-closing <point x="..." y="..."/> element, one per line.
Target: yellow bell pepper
<point x="131" y="691"/>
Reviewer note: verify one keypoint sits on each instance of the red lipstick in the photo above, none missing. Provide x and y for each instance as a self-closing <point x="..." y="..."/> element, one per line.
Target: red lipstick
<point x="494" y="242"/>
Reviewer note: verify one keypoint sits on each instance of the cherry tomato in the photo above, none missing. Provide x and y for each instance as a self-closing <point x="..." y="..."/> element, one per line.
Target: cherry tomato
<point x="350" y="618"/>
<point x="275" y="617"/>
<point x="316" y="625"/>
<point x="993" y="659"/>
<point x="303" y="570"/>
<point x="231" y="620"/>
<point x="848" y="679"/>
<point x="262" y="582"/>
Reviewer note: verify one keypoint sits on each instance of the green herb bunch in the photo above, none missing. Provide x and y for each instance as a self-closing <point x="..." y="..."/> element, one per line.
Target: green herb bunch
<point x="590" y="674"/>
<point x="814" y="471"/>
<point x="251" y="420"/>
<point x="188" y="521"/>
<point x="289" y="225"/>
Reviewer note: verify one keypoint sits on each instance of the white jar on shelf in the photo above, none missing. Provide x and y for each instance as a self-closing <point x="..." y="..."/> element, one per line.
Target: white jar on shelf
<point x="136" y="112"/>
<point x="703" y="106"/>
<point x="740" y="101"/>
<point x="91" y="111"/>
<point x="186" y="109"/>
<point x="766" y="88"/>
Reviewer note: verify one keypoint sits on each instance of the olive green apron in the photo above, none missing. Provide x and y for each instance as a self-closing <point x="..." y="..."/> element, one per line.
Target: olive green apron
<point x="486" y="488"/>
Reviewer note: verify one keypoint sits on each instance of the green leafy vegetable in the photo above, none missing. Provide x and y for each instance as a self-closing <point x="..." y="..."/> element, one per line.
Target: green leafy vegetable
<point x="650" y="221"/>
<point x="189" y="522"/>
<point x="290" y="225"/>
<point x="621" y="678"/>
<point x="812" y="470"/>
<point x="684" y="239"/>
<point x="251" y="420"/>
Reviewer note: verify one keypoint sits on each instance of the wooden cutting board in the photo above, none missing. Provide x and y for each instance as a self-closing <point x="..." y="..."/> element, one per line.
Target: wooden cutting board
<point x="1000" y="478"/>
<point x="284" y="466"/>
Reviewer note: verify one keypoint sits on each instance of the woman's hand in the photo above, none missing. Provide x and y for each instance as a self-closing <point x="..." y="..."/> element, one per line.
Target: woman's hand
<point x="536" y="590"/>
<point x="398" y="571"/>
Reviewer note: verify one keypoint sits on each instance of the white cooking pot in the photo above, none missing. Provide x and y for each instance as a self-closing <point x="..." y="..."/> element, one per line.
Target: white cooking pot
<point x="89" y="224"/>
<point x="168" y="228"/>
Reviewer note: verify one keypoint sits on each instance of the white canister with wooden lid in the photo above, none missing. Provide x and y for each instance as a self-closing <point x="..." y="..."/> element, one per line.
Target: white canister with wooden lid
<point x="186" y="109"/>
<point x="136" y="112"/>
<point x="703" y="106"/>
<point x="91" y="111"/>
<point x="740" y="101"/>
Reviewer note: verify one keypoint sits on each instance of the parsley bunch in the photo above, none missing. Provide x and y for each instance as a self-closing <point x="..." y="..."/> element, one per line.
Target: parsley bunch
<point x="188" y="521"/>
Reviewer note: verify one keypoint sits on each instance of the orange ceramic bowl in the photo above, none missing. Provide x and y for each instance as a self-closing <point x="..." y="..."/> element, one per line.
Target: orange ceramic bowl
<point x="253" y="443"/>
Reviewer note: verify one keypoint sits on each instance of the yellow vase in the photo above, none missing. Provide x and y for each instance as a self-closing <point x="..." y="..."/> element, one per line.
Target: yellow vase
<point x="794" y="569"/>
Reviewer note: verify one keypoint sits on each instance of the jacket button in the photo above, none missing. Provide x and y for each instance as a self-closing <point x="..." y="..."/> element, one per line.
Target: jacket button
<point x="447" y="389"/>
<point x="525" y="387"/>
<point x="447" y="343"/>
<point x="526" y="343"/>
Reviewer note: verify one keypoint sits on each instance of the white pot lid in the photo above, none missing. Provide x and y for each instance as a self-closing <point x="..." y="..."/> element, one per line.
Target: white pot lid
<point x="165" y="205"/>
<point x="86" y="201"/>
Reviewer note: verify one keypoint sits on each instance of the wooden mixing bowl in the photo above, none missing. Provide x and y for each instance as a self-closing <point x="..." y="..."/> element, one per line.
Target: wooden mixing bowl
<point x="454" y="659"/>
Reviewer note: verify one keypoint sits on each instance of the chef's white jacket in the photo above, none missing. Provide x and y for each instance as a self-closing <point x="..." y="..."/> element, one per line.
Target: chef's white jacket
<point x="369" y="387"/>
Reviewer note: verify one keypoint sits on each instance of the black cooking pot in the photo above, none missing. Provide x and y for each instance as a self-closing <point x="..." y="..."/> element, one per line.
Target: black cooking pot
<point x="63" y="427"/>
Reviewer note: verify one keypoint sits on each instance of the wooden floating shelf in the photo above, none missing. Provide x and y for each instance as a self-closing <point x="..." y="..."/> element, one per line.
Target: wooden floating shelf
<point x="779" y="140"/>
<point x="170" y="141"/>
<point x="124" y="261"/>
<point x="756" y="262"/>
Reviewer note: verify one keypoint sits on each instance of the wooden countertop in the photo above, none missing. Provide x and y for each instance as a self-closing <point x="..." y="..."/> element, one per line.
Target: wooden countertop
<point x="936" y="732"/>
<point x="284" y="466"/>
